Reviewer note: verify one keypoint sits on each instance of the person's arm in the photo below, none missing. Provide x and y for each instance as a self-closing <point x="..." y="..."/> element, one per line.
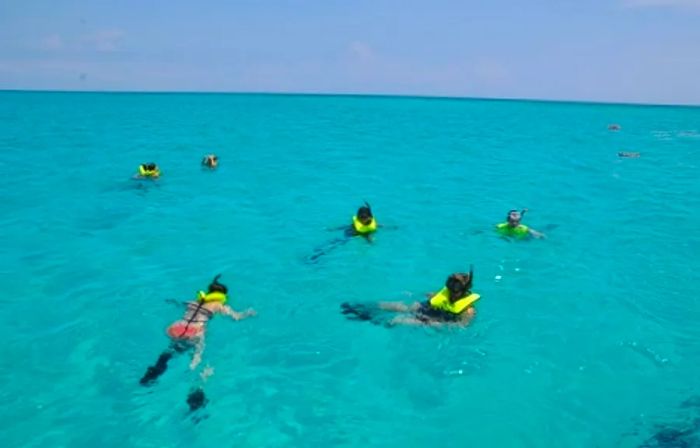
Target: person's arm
<point x="227" y="310"/>
<point x="466" y="317"/>
<point x="535" y="234"/>
<point x="336" y="228"/>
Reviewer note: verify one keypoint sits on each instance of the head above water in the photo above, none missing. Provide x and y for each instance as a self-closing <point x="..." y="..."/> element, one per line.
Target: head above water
<point x="364" y="214"/>
<point x="210" y="160"/>
<point x="150" y="166"/>
<point x="460" y="283"/>
<point x="215" y="286"/>
<point x="514" y="217"/>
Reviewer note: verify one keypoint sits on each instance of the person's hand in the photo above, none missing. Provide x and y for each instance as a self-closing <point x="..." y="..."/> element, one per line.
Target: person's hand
<point x="250" y="312"/>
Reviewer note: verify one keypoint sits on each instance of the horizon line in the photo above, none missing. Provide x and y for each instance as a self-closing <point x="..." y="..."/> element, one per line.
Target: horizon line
<point x="360" y="95"/>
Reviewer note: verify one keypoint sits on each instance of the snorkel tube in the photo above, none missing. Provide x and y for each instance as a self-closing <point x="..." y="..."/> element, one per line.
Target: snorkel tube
<point x="215" y="282"/>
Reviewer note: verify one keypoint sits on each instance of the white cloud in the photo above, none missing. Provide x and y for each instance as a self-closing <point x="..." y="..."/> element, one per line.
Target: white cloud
<point x="52" y="43"/>
<point x="361" y="51"/>
<point x="693" y="4"/>
<point x="105" y="40"/>
<point x="491" y="71"/>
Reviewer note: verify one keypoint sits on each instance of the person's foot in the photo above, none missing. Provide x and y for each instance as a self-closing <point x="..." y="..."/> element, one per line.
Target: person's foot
<point x="206" y="373"/>
<point x="356" y="311"/>
<point x="153" y="372"/>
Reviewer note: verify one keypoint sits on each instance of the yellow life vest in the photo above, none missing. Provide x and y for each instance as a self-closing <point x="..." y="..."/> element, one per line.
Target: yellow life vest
<point x="364" y="229"/>
<point x="148" y="173"/>
<point x="519" y="231"/>
<point x="441" y="301"/>
<point x="212" y="297"/>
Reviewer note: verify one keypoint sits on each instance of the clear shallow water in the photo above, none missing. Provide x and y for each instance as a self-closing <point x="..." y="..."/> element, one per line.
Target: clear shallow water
<point x="589" y="338"/>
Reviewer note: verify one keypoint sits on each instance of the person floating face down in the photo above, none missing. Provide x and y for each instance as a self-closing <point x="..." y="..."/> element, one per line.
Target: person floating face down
<point x="188" y="332"/>
<point x="513" y="228"/>
<point x="453" y="305"/>
<point x="210" y="161"/>
<point x="148" y="171"/>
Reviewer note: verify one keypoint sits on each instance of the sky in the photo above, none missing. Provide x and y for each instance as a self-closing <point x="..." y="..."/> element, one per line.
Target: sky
<point x="645" y="51"/>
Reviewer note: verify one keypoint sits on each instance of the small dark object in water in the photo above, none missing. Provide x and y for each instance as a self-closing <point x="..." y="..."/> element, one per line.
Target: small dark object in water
<point x="356" y="311"/>
<point x="628" y="155"/>
<point x="692" y="402"/>
<point x="153" y="372"/>
<point x="196" y="400"/>
<point x="614" y="127"/>
<point x="671" y="438"/>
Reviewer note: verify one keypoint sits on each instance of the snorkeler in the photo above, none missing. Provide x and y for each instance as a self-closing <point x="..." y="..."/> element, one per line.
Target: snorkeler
<point x="453" y="305"/>
<point x="210" y="161"/>
<point x="148" y="171"/>
<point x="363" y="224"/>
<point x="628" y="154"/>
<point x="188" y="332"/>
<point x="513" y="228"/>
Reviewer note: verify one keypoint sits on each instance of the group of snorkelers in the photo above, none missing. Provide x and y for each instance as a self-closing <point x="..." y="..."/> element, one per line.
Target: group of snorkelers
<point x="152" y="171"/>
<point x="452" y="305"/>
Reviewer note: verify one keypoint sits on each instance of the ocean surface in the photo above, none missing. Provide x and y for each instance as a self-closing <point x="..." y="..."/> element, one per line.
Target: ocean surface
<point x="589" y="338"/>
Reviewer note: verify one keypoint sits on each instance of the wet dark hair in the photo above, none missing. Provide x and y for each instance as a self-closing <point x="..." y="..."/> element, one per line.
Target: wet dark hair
<point x="365" y="211"/>
<point x="215" y="286"/>
<point x="149" y="166"/>
<point x="460" y="281"/>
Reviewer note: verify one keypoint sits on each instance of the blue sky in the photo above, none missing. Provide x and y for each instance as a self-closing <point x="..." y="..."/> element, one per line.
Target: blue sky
<point x="594" y="50"/>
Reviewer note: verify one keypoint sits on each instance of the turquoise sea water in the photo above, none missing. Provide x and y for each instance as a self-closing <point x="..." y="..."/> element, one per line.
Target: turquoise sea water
<point x="589" y="338"/>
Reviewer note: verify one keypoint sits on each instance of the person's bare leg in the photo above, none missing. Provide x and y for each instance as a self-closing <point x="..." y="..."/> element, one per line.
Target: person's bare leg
<point x="409" y="320"/>
<point x="399" y="307"/>
<point x="197" y="356"/>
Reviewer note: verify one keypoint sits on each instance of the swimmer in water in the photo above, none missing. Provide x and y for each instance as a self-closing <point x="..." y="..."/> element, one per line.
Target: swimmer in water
<point x="363" y="224"/>
<point x="148" y="171"/>
<point x="514" y="229"/>
<point x="628" y="154"/>
<point x="188" y="332"/>
<point x="210" y="161"/>
<point x="451" y="306"/>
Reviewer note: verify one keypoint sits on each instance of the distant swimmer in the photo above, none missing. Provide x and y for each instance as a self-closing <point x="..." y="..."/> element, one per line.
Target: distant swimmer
<point x="210" y="161"/>
<point x="148" y="171"/>
<point x="628" y="154"/>
<point x="614" y="127"/>
<point x="512" y="228"/>
<point x="188" y="333"/>
<point x="363" y="224"/>
<point x="453" y="305"/>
